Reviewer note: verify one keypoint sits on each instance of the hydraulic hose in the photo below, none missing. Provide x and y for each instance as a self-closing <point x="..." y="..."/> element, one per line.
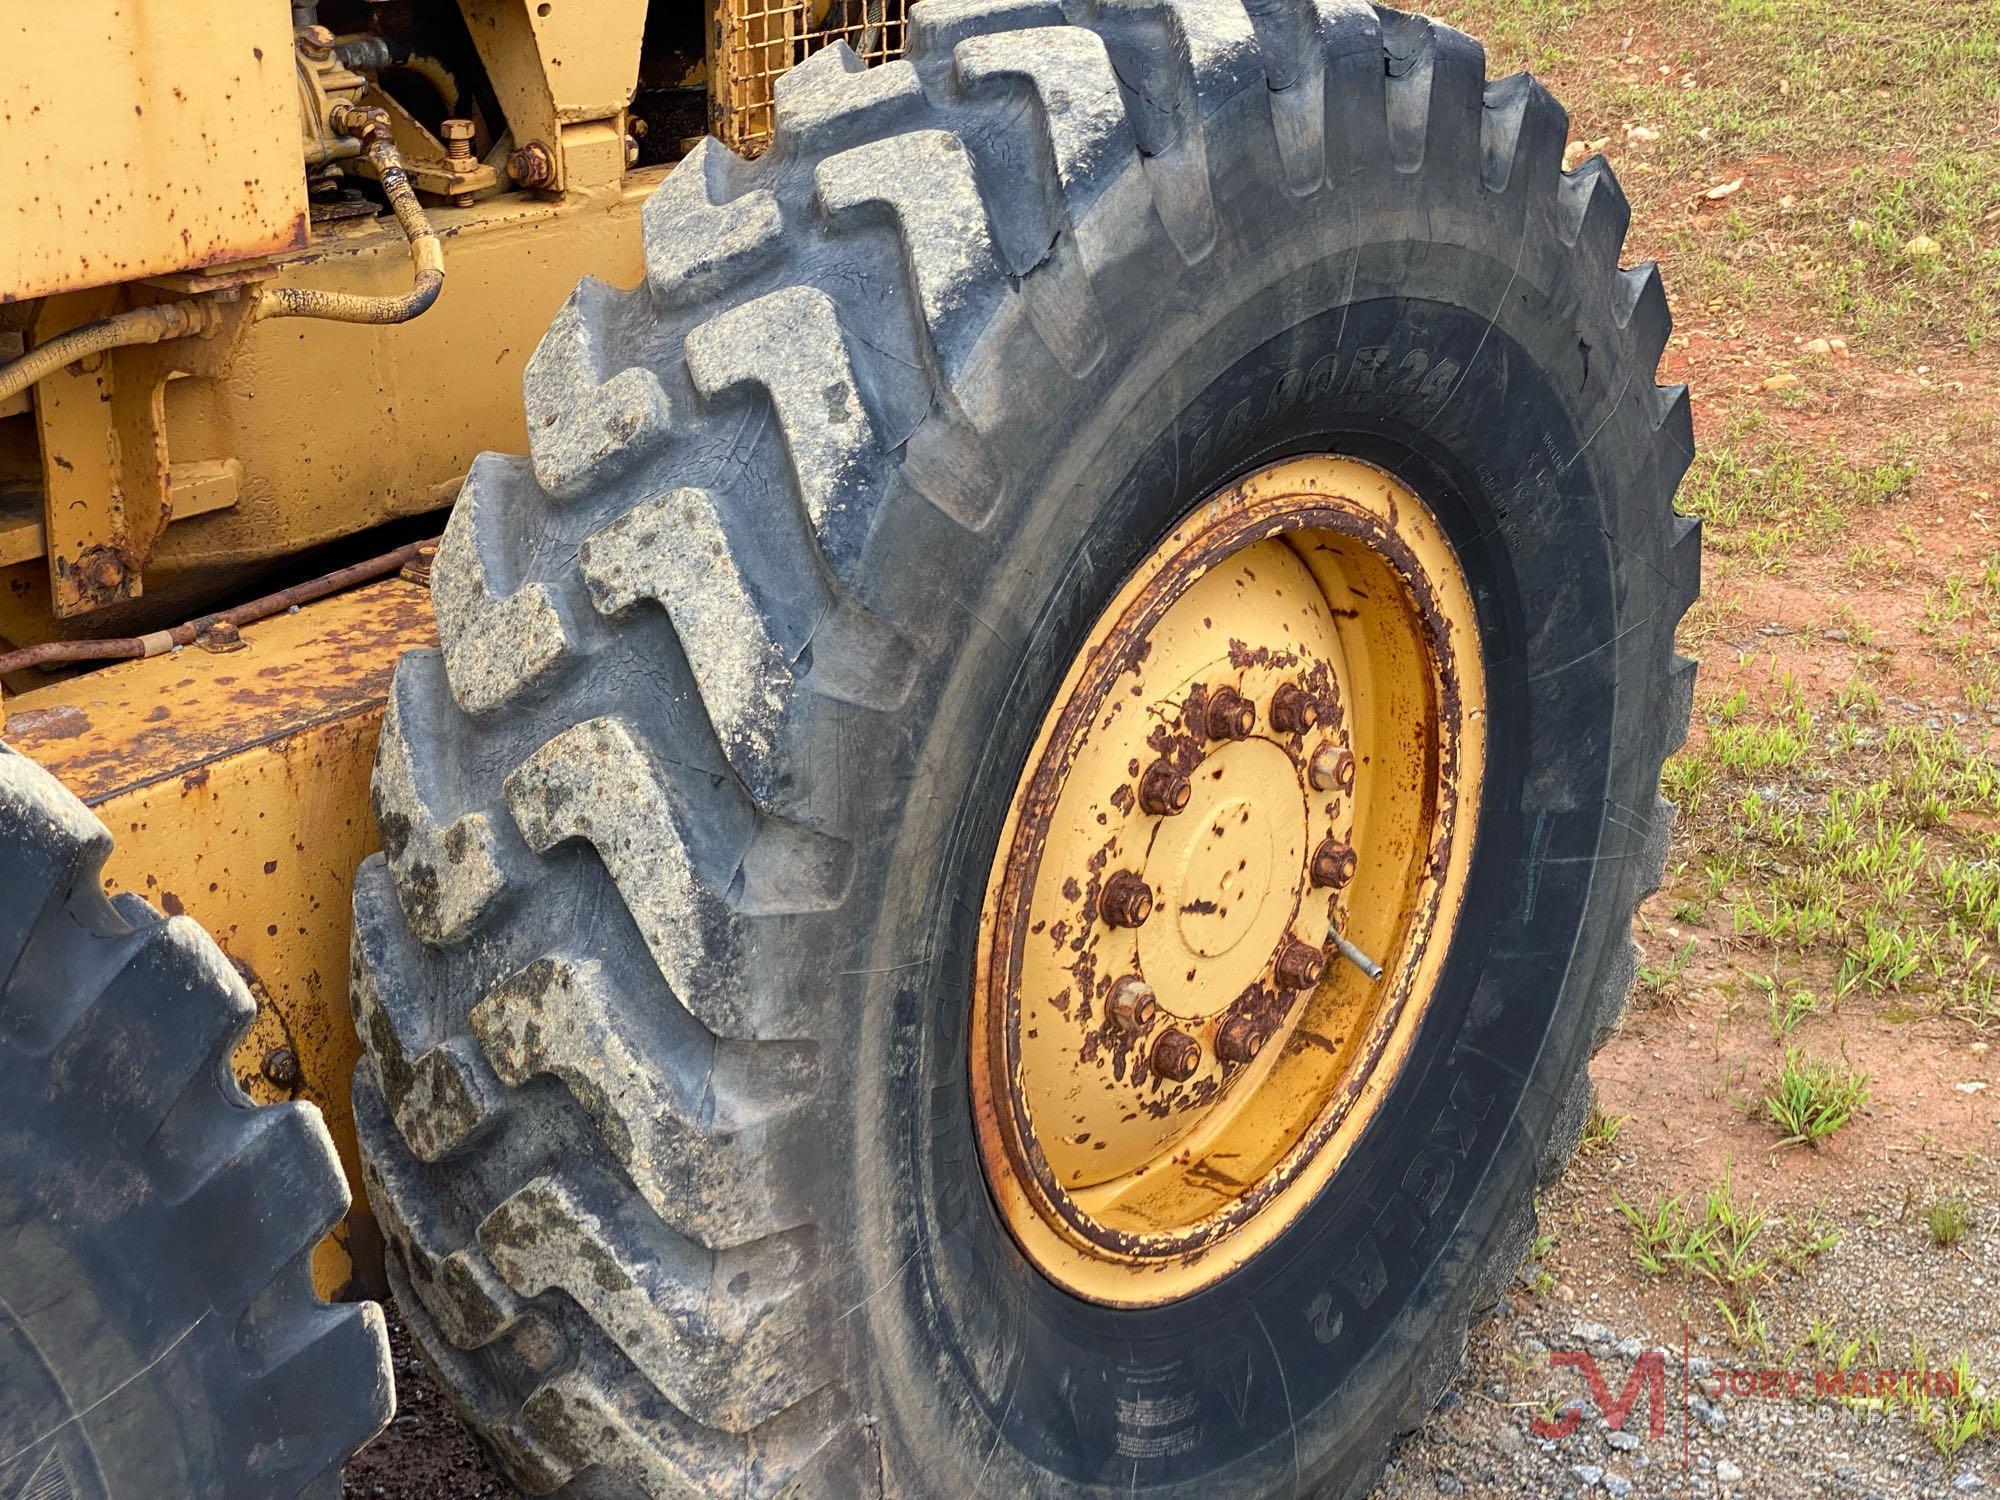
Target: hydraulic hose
<point x="372" y="126"/>
<point x="142" y="325"/>
<point x="172" y="320"/>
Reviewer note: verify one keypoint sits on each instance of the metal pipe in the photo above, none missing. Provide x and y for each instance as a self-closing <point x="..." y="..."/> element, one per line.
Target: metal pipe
<point x="160" y="642"/>
<point x="141" y="325"/>
<point x="372" y="127"/>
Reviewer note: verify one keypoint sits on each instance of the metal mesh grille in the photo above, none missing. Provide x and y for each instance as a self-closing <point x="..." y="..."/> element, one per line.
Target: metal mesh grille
<point x="763" y="38"/>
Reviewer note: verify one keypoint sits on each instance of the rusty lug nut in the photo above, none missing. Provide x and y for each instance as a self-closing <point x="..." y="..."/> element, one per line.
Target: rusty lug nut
<point x="1333" y="863"/>
<point x="1229" y="715"/>
<point x="1239" y="1040"/>
<point x="1132" y="1005"/>
<point x="1126" y="900"/>
<point x="1164" y="789"/>
<point x="1331" y="767"/>
<point x="281" y="1067"/>
<point x="1293" y="710"/>
<point x="1176" y="1055"/>
<point x="1300" y="965"/>
<point x="532" y="165"/>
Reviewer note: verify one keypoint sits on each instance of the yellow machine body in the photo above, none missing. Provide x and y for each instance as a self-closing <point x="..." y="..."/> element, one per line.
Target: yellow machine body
<point x="124" y="121"/>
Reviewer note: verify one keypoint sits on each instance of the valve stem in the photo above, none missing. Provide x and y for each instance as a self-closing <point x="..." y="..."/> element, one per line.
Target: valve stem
<point x="1353" y="954"/>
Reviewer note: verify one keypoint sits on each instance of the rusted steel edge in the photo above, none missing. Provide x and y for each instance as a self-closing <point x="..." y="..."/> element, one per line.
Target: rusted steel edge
<point x="160" y="642"/>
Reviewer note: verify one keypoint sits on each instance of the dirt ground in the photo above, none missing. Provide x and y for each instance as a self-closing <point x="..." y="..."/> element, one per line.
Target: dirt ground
<point x="1820" y="181"/>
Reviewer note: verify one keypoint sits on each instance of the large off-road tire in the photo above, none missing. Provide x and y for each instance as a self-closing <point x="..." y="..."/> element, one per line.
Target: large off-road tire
<point x="159" y="1336"/>
<point x="665" y="973"/>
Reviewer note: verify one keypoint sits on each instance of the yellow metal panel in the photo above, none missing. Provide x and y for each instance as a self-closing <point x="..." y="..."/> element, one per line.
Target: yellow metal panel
<point x="145" y="136"/>
<point x="236" y="786"/>
<point x="338" y="427"/>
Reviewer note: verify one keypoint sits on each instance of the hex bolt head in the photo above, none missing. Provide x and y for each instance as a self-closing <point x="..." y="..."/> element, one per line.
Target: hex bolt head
<point x="1239" y="1040"/>
<point x="1301" y="966"/>
<point x="1164" y="789"/>
<point x="1125" y="901"/>
<point x="457" y="138"/>
<point x="1333" y="863"/>
<point x="1176" y="1055"/>
<point x="1228" y="715"/>
<point x="1293" y="710"/>
<point x="281" y="1067"/>
<point x="1132" y="1005"/>
<point x="1331" y="768"/>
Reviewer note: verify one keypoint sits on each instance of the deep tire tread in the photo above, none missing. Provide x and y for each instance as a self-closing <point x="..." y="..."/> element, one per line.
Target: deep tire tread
<point x="957" y="181"/>
<point x="117" y="1028"/>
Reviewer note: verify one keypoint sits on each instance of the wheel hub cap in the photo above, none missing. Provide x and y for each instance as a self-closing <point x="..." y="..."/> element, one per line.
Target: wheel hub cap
<point x="1273" y="735"/>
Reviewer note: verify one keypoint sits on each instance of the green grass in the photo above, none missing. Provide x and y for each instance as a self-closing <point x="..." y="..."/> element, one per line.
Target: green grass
<point x="1948" y="1217"/>
<point x="1600" y="1130"/>
<point x="1763" y="495"/>
<point x="1808" y="81"/>
<point x="1790" y="1008"/>
<point x="1722" y="1241"/>
<point x="1874" y="852"/>
<point x="1664" y="981"/>
<point x="1811" y="1098"/>
<point x="1808" y="1236"/>
<point x="1953" y="1412"/>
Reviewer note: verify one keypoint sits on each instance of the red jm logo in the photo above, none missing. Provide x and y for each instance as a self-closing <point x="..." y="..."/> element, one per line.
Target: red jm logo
<point x="1648" y="1371"/>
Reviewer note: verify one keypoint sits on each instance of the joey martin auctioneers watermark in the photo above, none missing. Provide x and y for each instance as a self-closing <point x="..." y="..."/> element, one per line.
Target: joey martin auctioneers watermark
<point x="1663" y="1387"/>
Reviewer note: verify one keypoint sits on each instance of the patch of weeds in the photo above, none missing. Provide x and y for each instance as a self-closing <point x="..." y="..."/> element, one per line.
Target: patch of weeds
<point x="1876" y="849"/>
<point x="1600" y="1130"/>
<point x="1859" y="697"/>
<point x="1751" y="749"/>
<point x="1948" y="1217"/>
<point x="1812" y="1098"/>
<point x="1789" y="1009"/>
<point x="1746" y="1323"/>
<point x="1686" y="778"/>
<point x="1761" y="495"/>
<point x="1943" y="1400"/>
<point x="1719" y="1242"/>
<point x="1808" y="1237"/>
<point x="1664" y="981"/>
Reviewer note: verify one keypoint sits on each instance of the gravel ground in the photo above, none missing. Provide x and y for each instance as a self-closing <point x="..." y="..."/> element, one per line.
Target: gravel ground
<point x="424" y="1454"/>
<point x="1884" y="1295"/>
<point x="1716" y="1438"/>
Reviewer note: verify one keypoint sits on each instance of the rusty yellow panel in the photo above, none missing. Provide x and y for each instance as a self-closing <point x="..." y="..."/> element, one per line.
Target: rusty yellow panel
<point x="236" y="786"/>
<point x="145" y="136"/>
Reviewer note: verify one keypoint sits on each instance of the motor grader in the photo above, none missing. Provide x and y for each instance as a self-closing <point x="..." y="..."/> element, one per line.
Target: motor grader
<point x="991" y="869"/>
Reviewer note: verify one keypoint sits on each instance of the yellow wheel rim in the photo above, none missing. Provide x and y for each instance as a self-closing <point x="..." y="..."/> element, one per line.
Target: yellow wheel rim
<point x="1271" y="745"/>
